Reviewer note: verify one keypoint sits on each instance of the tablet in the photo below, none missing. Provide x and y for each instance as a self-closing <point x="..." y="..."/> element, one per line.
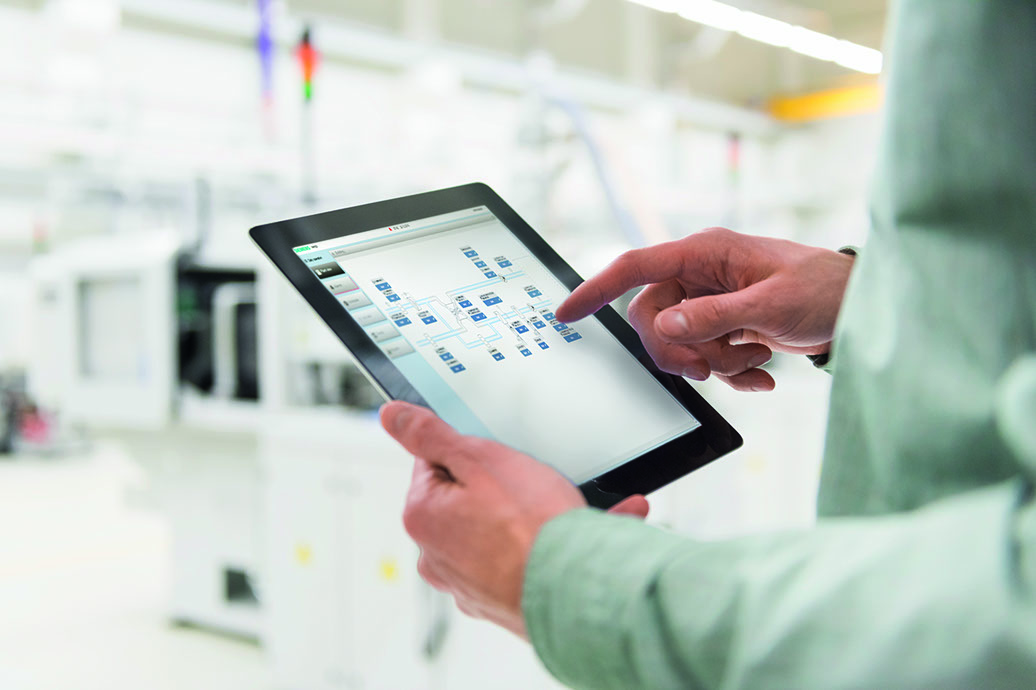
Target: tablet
<point x="446" y="299"/>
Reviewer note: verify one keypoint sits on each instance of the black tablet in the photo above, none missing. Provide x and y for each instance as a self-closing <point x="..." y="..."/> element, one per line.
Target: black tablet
<point x="446" y="299"/>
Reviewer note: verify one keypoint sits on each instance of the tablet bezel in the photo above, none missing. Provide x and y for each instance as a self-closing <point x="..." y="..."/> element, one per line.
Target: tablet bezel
<point x="642" y="475"/>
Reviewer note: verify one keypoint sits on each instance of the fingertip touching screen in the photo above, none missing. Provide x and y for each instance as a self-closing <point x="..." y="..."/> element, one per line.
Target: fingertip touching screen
<point x="466" y="313"/>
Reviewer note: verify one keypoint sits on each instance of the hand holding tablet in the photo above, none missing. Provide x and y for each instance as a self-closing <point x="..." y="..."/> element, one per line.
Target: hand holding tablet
<point x="448" y="300"/>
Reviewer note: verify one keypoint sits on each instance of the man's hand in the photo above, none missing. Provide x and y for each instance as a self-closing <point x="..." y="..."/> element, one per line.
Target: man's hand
<point x="475" y="508"/>
<point x="718" y="302"/>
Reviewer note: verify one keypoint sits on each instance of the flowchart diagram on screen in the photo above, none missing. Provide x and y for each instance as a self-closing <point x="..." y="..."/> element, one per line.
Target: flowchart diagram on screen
<point x="499" y="314"/>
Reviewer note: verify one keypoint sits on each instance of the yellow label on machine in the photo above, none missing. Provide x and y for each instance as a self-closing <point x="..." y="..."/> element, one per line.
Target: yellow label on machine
<point x="388" y="569"/>
<point x="303" y="553"/>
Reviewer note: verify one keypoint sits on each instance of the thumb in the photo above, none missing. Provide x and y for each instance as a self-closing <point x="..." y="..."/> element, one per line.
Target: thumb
<point x="420" y="431"/>
<point x="700" y="319"/>
<point x="634" y="506"/>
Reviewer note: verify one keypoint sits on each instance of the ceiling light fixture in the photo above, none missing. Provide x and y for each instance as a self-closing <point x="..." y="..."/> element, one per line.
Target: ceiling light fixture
<point x="773" y="32"/>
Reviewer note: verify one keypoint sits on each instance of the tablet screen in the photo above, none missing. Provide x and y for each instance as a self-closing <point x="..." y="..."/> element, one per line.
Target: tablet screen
<point x="466" y="313"/>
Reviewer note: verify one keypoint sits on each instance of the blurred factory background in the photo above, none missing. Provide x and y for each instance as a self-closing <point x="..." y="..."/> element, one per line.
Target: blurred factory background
<point x="194" y="491"/>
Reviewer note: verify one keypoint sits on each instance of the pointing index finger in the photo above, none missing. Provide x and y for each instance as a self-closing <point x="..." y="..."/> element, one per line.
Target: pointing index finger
<point x="632" y="269"/>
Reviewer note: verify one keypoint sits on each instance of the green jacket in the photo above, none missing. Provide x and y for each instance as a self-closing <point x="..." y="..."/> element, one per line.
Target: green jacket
<point x="922" y="569"/>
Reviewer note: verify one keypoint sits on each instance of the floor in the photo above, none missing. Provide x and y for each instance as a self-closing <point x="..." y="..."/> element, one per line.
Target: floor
<point x="83" y="581"/>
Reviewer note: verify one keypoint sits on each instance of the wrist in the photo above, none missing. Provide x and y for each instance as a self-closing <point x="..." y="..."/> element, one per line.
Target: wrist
<point x="822" y="358"/>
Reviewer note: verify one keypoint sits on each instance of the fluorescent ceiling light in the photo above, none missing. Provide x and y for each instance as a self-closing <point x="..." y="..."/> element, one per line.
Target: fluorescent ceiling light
<point x="764" y="29"/>
<point x="772" y="31"/>
<point x="717" y="14"/>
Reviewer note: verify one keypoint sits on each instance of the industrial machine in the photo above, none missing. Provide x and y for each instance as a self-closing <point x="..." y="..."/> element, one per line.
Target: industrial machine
<point x="261" y="446"/>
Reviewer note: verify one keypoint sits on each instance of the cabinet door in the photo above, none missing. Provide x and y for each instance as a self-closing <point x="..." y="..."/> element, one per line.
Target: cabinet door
<point x="387" y="612"/>
<point x="305" y="582"/>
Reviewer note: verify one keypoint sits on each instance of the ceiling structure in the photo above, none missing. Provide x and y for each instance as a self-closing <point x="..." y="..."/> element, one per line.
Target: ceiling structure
<point x="628" y="42"/>
<point x="613" y="38"/>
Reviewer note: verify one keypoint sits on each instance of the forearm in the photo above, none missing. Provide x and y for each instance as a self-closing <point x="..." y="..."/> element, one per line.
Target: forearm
<point x="937" y="597"/>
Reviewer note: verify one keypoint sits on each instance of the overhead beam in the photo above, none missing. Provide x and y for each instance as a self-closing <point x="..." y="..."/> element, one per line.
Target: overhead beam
<point x="831" y="103"/>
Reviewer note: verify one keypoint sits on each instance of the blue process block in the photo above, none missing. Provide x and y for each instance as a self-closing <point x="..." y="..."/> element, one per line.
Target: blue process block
<point x="572" y="338"/>
<point x="480" y="264"/>
<point x="446" y="356"/>
<point x="393" y="298"/>
<point x="402" y="322"/>
<point x="498" y="356"/>
<point x="535" y="293"/>
<point x="466" y="303"/>
<point x="477" y="317"/>
<point x="456" y="369"/>
<point x="493" y="300"/>
<point x="471" y="253"/>
<point x="382" y="286"/>
<point x="549" y="316"/>
<point x="523" y="329"/>
<point x="503" y="264"/>
<point x="539" y="324"/>
<point x="544" y="346"/>
<point x="560" y="326"/>
<point x="490" y="274"/>
<point x="428" y="319"/>
<point x="525" y="352"/>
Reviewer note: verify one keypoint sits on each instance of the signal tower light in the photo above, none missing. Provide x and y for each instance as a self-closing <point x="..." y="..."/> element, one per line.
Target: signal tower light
<point x="308" y="58"/>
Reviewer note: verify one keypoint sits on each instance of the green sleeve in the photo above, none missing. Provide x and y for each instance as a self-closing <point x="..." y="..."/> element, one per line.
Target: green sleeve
<point x="940" y="597"/>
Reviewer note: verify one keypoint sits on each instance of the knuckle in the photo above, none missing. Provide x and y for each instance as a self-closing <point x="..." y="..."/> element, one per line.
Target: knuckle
<point x="467" y="609"/>
<point x="414" y="520"/>
<point x="428" y="573"/>
<point x="628" y="263"/>
<point x="719" y="232"/>
<point x="711" y="311"/>
<point x="639" y="315"/>
<point x="626" y="258"/>
<point x="727" y="368"/>
<point x="423" y="568"/>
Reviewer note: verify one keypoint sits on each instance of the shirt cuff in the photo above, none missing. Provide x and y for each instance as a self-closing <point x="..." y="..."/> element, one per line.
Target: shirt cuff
<point x="586" y="572"/>
<point x="1015" y="401"/>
